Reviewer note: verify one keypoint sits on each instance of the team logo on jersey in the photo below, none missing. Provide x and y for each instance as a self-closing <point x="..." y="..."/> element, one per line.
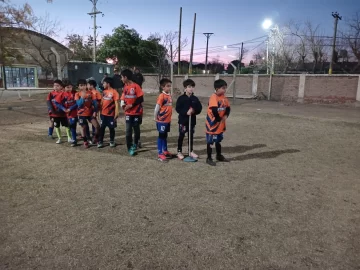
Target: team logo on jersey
<point x="132" y="91"/>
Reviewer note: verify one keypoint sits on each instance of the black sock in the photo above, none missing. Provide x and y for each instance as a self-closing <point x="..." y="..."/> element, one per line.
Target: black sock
<point x="112" y="134"/>
<point x="209" y="150"/>
<point x="218" y="149"/>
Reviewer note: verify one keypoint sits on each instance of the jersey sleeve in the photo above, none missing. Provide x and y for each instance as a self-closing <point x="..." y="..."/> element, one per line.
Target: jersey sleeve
<point x="48" y="96"/>
<point x="139" y="91"/>
<point x="160" y="99"/>
<point x="213" y="101"/>
<point x="123" y="95"/>
<point x="98" y="95"/>
<point x="77" y="96"/>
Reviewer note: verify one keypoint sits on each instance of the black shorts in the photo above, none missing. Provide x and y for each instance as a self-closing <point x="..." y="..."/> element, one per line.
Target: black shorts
<point x="133" y="120"/>
<point x="63" y="121"/>
<point x="107" y="121"/>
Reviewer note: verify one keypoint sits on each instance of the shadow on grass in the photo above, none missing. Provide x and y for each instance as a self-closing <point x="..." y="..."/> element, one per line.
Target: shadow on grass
<point x="234" y="149"/>
<point x="264" y="155"/>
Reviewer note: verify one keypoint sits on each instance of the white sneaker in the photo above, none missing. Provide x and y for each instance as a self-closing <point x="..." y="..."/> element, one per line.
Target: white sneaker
<point x="70" y="140"/>
<point x="193" y="155"/>
<point x="180" y="156"/>
<point x="58" y="141"/>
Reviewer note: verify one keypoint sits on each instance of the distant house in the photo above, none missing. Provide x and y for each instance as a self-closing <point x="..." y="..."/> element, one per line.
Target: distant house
<point x="43" y="58"/>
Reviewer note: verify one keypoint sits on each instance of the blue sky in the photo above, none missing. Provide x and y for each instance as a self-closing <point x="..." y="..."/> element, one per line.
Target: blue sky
<point x="231" y="21"/>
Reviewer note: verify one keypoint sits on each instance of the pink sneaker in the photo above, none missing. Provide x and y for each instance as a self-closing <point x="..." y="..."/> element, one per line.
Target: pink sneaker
<point x="86" y="144"/>
<point x="162" y="158"/>
<point x="193" y="155"/>
<point x="180" y="156"/>
<point x="167" y="154"/>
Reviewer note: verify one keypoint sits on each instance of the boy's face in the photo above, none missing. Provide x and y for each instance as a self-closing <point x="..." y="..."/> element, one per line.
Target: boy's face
<point x="221" y="91"/>
<point x="124" y="79"/>
<point x="106" y="85"/>
<point x="189" y="89"/>
<point x="68" y="88"/>
<point x="166" y="88"/>
<point x="82" y="87"/>
<point x="89" y="86"/>
<point x="57" y="87"/>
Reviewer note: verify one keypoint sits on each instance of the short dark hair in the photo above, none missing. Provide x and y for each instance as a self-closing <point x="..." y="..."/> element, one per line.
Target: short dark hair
<point x="109" y="80"/>
<point x="81" y="81"/>
<point x="164" y="81"/>
<point x="93" y="83"/>
<point x="59" y="82"/>
<point x="127" y="73"/>
<point x="66" y="82"/>
<point x="106" y="74"/>
<point x="219" y="83"/>
<point x="188" y="82"/>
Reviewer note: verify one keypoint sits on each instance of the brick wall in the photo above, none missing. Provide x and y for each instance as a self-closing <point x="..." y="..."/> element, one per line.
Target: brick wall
<point x="318" y="88"/>
<point x="324" y="89"/>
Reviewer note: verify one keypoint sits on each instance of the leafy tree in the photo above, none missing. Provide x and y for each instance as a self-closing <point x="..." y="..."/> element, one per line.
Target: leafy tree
<point x="82" y="49"/>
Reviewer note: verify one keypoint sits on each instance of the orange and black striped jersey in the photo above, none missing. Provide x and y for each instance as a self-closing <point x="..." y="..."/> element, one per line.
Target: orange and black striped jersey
<point x="165" y="112"/>
<point x="213" y="125"/>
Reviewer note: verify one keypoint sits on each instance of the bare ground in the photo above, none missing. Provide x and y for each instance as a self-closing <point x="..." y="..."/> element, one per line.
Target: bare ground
<point x="289" y="199"/>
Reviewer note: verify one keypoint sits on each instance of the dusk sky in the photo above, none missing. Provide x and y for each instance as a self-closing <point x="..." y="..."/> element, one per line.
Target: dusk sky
<point x="231" y="21"/>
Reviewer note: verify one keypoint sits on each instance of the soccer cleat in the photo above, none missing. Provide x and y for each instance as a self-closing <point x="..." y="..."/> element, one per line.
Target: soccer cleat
<point x="167" y="154"/>
<point x="210" y="162"/>
<point x="86" y="144"/>
<point x="180" y="156"/>
<point x="221" y="158"/>
<point x="73" y="144"/>
<point x="70" y="140"/>
<point x="100" y="145"/>
<point x="112" y="144"/>
<point x="162" y="157"/>
<point x="58" y="141"/>
<point x="193" y="155"/>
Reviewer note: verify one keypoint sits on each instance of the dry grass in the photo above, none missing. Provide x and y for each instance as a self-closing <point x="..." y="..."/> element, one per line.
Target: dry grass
<point x="288" y="200"/>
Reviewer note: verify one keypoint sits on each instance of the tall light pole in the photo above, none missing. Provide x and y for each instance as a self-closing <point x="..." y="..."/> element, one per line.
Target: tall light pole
<point x="337" y="17"/>
<point x="93" y="14"/>
<point x="208" y="35"/>
<point x="266" y="25"/>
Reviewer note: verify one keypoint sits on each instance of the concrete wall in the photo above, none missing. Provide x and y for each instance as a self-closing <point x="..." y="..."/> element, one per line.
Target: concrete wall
<point x="291" y="88"/>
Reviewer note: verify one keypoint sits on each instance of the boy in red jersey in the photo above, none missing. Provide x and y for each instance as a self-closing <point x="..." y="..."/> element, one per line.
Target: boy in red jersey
<point x="109" y="111"/>
<point x="57" y="116"/>
<point x="162" y="116"/>
<point x="217" y="113"/>
<point x="131" y="101"/>
<point x="91" y="86"/>
<point x="69" y="106"/>
<point x="87" y="109"/>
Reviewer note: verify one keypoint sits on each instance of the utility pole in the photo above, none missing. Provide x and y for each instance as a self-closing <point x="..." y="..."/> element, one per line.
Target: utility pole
<point x="93" y="14"/>
<point x="179" y="49"/>
<point x="336" y="17"/>
<point x="207" y="35"/>
<point x="171" y="52"/>
<point x="192" y="46"/>
<point x="240" y="57"/>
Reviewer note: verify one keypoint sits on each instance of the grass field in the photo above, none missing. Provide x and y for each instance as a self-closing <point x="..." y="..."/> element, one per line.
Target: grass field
<point x="289" y="198"/>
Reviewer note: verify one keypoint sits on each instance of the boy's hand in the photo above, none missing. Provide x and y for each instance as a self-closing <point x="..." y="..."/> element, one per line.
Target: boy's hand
<point x="190" y="111"/>
<point x="127" y="107"/>
<point x="94" y="114"/>
<point x="67" y="110"/>
<point x="82" y="94"/>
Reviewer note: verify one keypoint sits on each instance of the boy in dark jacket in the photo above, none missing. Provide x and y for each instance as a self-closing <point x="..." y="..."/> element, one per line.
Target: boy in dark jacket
<point x="187" y="105"/>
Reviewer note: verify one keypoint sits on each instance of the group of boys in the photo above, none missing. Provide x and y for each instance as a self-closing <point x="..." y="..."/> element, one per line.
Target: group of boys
<point x="68" y="107"/>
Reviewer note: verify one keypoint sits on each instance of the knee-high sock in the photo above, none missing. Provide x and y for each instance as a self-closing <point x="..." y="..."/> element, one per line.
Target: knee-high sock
<point x="68" y="133"/>
<point x="58" y="132"/>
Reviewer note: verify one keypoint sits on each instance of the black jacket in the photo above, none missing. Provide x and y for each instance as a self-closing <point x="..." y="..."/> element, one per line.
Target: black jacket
<point x="117" y="82"/>
<point x="183" y="104"/>
<point x="138" y="78"/>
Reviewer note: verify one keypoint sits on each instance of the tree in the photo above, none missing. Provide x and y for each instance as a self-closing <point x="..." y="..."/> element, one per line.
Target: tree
<point x="12" y="17"/>
<point x="123" y="44"/>
<point x="81" y="49"/>
<point x="352" y="36"/>
<point x="316" y="43"/>
<point x="38" y="50"/>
